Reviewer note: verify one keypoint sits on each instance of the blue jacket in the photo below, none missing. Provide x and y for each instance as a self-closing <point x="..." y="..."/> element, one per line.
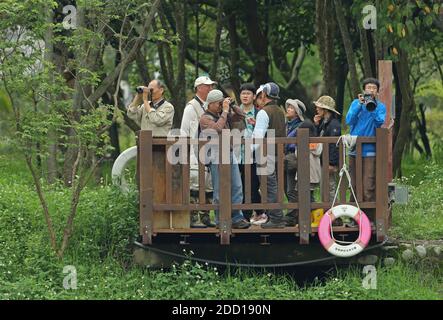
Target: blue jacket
<point x="363" y="123"/>
<point x="291" y="131"/>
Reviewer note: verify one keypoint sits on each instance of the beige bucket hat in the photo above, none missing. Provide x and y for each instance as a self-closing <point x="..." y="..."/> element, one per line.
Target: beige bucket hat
<point x="326" y="102"/>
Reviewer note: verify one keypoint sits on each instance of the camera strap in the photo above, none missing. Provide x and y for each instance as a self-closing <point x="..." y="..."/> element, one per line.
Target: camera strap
<point x="158" y="105"/>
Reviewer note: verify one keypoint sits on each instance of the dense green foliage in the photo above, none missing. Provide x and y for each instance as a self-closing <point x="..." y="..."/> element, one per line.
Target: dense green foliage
<point x="101" y="252"/>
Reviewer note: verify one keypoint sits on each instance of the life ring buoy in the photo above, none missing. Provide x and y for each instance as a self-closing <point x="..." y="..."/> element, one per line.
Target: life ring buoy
<point x="324" y="231"/>
<point x="120" y="165"/>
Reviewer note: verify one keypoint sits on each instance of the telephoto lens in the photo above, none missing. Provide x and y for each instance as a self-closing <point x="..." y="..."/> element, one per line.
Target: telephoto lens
<point x="139" y="89"/>
<point x="370" y="102"/>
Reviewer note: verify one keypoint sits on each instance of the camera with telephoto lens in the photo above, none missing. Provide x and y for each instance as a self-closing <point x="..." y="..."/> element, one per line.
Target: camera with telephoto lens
<point x="369" y="101"/>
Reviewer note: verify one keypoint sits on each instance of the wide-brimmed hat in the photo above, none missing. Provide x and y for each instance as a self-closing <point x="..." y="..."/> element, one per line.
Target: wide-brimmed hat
<point x="299" y="107"/>
<point x="326" y="102"/>
<point x="213" y="96"/>
<point x="203" y="80"/>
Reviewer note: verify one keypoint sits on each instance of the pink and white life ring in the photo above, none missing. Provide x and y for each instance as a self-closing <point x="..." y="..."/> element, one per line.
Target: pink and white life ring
<point x="324" y="231"/>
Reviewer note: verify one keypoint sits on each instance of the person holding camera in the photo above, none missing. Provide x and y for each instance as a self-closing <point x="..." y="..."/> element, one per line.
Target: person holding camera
<point x="150" y="110"/>
<point x="216" y="118"/>
<point x="328" y="125"/>
<point x="365" y="114"/>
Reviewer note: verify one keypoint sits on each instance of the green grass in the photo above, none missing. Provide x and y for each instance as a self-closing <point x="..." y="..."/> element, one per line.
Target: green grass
<point x="422" y="217"/>
<point x="107" y="223"/>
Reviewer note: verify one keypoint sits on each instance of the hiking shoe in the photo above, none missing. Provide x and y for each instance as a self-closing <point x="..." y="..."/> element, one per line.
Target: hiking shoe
<point x="242" y="224"/>
<point x="260" y="219"/>
<point x="206" y="220"/>
<point x="273" y="224"/>
<point x="195" y="221"/>
<point x="337" y="223"/>
<point x="290" y="221"/>
<point x="351" y="224"/>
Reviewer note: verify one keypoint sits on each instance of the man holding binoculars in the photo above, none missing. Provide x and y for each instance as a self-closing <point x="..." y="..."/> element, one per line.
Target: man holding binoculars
<point x="150" y="110"/>
<point x="365" y="115"/>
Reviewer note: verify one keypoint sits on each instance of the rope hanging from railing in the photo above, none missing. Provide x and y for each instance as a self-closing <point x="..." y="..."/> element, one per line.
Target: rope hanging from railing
<point x="348" y="142"/>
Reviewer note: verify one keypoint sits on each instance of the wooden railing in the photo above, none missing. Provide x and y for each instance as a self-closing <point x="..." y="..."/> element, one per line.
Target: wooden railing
<point x="164" y="188"/>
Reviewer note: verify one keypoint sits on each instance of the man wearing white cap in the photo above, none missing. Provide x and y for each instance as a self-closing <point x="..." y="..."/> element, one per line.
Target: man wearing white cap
<point x="189" y="128"/>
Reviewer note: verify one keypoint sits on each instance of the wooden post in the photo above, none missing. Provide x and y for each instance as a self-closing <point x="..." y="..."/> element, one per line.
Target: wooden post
<point x="385" y="96"/>
<point x="146" y="190"/>
<point x="303" y="185"/>
<point x="280" y="172"/>
<point x="325" y="174"/>
<point x="359" y="172"/>
<point x="224" y="174"/>
<point x="247" y="170"/>
<point x="201" y="177"/>
<point x="381" y="187"/>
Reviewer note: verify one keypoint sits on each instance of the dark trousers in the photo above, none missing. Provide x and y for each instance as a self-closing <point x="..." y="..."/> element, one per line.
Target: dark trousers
<point x="368" y="175"/>
<point x="255" y="187"/>
<point x="291" y="186"/>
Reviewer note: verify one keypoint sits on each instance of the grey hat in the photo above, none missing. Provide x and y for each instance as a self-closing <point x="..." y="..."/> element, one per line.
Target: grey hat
<point x="213" y="96"/>
<point x="299" y="107"/>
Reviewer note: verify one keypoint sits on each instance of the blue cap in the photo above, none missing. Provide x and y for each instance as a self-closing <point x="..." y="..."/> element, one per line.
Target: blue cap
<point x="272" y="90"/>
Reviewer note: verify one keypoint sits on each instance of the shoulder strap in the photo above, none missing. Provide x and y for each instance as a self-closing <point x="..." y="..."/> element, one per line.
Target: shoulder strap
<point x="196" y="103"/>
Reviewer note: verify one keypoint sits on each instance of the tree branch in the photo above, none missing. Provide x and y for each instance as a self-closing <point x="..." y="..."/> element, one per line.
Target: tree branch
<point x="112" y="76"/>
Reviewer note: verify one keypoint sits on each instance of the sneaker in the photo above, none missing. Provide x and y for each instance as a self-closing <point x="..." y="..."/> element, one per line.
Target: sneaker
<point x="253" y="218"/>
<point x="273" y="224"/>
<point x="242" y="224"/>
<point x="263" y="218"/>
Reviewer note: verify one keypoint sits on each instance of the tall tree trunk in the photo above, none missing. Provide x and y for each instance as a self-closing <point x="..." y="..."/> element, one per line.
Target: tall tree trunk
<point x="437" y="62"/>
<point x="142" y="66"/>
<point x="372" y="52"/>
<point x="342" y="75"/>
<point x="422" y="129"/>
<point x="197" y="39"/>
<point x="80" y="57"/>
<point x="234" y="54"/>
<point x="325" y="33"/>
<point x="348" y="47"/>
<point x="408" y="109"/>
<point x="258" y="41"/>
<point x="52" y="135"/>
<point x="182" y="31"/>
<point x="398" y="103"/>
<point x="366" y="57"/>
<point x="218" y="31"/>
